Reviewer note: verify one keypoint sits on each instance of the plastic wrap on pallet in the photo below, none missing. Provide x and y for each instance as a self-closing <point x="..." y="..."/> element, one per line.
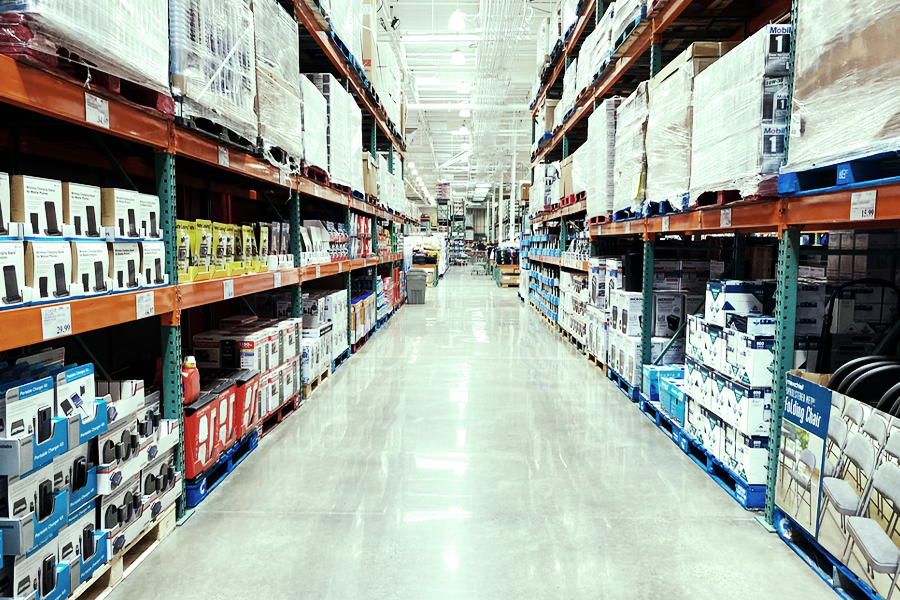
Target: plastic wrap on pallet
<point x="739" y="119"/>
<point x="845" y="102"/>
<point x="355" y="148"/>
<point x="389" y="81"/>
<point x="569" y="15"/>
<point x="595" y="50"/>
<point x="626" y="13"/>
<point x="280" y="118"/>
<point x="542" y="52"/>
<point x="213" y="62"/>
<point x="570" y="81"/>
<point x="669" y="138"/>
<point x="631" y="152"/>
<point x="315" y="123"/>
<point x="277" y="42"/>
<point x="602" y="138"/>
<point x="127" y="40"/>
<point x="583" y="169"/>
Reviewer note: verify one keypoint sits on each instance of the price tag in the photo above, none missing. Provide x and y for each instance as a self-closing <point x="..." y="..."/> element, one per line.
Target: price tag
<point x="341" y="267"/>
<point x="665" y="223"/>
<point x="277" y="279"/>
<point x="862" y="205"/>
<point x="228" y="288"/>
<point x="96" y="111"/>
<point x="56" y="321"/>
<point x="599" y="230"/>
<point x="725" y="218"/>
<point x="316" y="191"/>
<point x="144" y="305"/>
<point x="282" y="177"/>
<point x="318" y="271"/>
<point x="627" y="227"/>
<point x="224" y="160"/>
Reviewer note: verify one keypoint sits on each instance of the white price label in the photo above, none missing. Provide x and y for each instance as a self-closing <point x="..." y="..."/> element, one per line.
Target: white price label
<point x="277" y="279"/>
<point x="316" y="191"/>
<point x="96" y="111"/>
<point x="144" y="305"/>
<point x="282" y="177"/>
<point x="862" y="205"/>
<point x="725" y="218"/>
<point x="341" y="267"/>
<point x="318" y="271"/>
<point x="665" y="223"/>
<point x="56" y="321"/>
<point x="228" y="288"/>
<point x="224" y="160"/>
<point x="599" y="230"/>
<point x="627" y="227"/>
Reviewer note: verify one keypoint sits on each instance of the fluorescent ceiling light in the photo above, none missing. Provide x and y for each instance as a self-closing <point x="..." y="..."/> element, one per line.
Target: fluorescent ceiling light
<point x="412" y="165"/>
<point x="424" y="81"/>
<point x="457" y="21"/>
<point x="465" y="159"/>
<point x="418" y="180"/>
<point x="464" y="146"/>
<point x="415" y="171"/>
<point x="432" y="39"/>
<point x="463" y="90"/>
<point x="462" y="131"/>
<point x="457" y="58"/>
<point x="465" y="113"/>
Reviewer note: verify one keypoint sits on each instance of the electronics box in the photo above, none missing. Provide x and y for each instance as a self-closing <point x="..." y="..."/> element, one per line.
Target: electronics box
<point x="668" y="313"/>
<point x="125" y="266"/>
<point x="82" y="210"/>
<point x="148" y="217"/>
<point x="119" y="454"/>
<point x="153" y="264"/>
<point x="118" y="511"/>
<point x="90" y="267"/>
<point x="12" y="261"/>
<point x="48" y="271"/>
<point x="746" y="456"/>
<point x="35" y="513"/>
<point x="81" y="546"/>
<point x="37" y="204"/>
<point x="747" y="408"/>
<point x="119" y="214"/>
<point x="75" y="473"/>
<point x="750" y="324"/>
<point x="36" y="575"/>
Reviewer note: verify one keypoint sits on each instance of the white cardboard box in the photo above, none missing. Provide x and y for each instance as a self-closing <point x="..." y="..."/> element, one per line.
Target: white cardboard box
<point x="730" y="296"/>
<point x="749" y="359"/>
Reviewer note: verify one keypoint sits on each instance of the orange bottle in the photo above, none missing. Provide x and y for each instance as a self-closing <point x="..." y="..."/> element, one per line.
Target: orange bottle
<point x="190" y="379"/>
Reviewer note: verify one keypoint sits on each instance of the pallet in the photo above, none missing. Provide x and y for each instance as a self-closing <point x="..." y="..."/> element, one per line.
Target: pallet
<point x="358" y="195"/>
<point x="315" y="174"/>
<point x="280" y="157"/>
<point x="725" y="197"/>
<point x="340" y="360"/>
<point x="217" y="132"/>
<point x="314" y="384"/>
<point x="75" y="69"/>
<point x="573" y="199"/>
<point x="110" y="575"/>
<point x="625" y="214"/>
<point x="875" y="169"/>
<point x="197" y="490"/>
<point x="598" y="220"/>
<point x="631" y="392"/>
<point x="655" y="208"/>
<point x="596" y="361"/>
<point x="625" y="39"/>
<point x="844" y="582"/>
<point x="277" y="416"/>
<point x="341" y="188"/>
<point x="751" y="497"/>
<point x="370" y="199"/>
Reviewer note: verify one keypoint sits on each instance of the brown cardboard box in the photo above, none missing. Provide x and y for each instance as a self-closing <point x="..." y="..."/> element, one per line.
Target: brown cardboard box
<point x="566" y="186"/>
<point x="370" y="174"/>
<point x="702" y="54"/>
<point x="370" y="40"/>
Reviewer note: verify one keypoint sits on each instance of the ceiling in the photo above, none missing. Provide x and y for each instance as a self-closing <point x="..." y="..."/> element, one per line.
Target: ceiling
<point x="495" y="84"/>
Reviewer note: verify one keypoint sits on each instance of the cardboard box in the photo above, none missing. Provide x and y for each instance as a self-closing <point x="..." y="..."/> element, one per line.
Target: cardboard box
<point x="748" y="408"/>
<point x="148" y="214"/>
<point x="6" y="228"/>
<point x="48" y="271"/>
<point x="12" y="262"/>
<point x="650" y="383"/>
<point x="153" y="264"/>
<point x="82" y="209"/>
<point x="713" y="339"/>
<point x="749" y="359"/>
<point x="747" y="456"/>
<point x="37" y="204"/>
<point x="565" y="178"/>
<point x="119" y="213"/>
<point x="732" y="296"/>
<point x="627" y="311"/>
<point x="90" y="266"/>
<point x="370" y="174"/>
<point x="673" y="398"/>
<point x="750" y="324"/>
<point x="125" y="266"/>
<point x="668" y="313"/>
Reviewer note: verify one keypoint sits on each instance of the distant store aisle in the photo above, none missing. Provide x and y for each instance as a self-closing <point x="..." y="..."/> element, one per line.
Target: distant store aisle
<point x="467" y="452"/>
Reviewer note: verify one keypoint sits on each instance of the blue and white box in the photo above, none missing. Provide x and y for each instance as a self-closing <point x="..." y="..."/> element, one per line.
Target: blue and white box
<point x="748" y="409"/>
<point x="749" y="359"/>
<point x="732" y="296"/>
<point x="747" y="456"/>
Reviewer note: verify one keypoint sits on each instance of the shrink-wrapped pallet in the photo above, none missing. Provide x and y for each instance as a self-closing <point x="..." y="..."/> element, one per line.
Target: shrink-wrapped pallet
<point x="845" y="102"/>
<point x="569" y="15"/>
<point x="278" y="105"/>
<point x="346" y="22"/>
<point x="631" y="152"/>
<point x="583" y="169"/>
<point x="355" y="148"/>
<point x="626" y="13"/>
<point x="739" y="119"/>
<point x="570" y="81"/>
<point x="314" y="122"/>
<point x="125" y="39"/>
<point x="670" y="126"/>
<point x="594" y="51"/>
<point x="344" y="132"/>
<point x="213" y="62"/>
<point x="602" y="139"/>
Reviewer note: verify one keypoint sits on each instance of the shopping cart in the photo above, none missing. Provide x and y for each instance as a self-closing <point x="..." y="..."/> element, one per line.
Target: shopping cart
<point x="479" y="262"/>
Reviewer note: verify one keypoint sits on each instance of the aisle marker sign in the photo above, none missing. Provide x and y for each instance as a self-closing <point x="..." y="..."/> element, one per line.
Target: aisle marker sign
<point x="56" y="321"/>
<point x="228" y="288"/>
<point x="96" y="111"/>
<point x="277" y="280"/>
<point x="224" y="160"/>
<point x="725" y="218"/>
<point x="144" y="305"/>
<point x="665" y="223"/>
<point x="862" y="205"/>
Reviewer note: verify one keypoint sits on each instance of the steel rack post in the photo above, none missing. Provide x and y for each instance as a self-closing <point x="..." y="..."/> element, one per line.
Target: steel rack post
<point x="563" y="236"/>
<point x="172" y="392"/>
<point x="296" y="290"/>
<point x="391" y="159"/>
<point x="740" y="244"/>
<point x="656" y="53"/>
<point x="647" y="297"/>
<point x="785" y="320"/>
<point x="374" y="139"/>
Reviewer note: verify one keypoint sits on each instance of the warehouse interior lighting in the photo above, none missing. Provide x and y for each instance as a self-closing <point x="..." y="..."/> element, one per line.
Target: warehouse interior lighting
<point x="418" y="180"/>
<point x="412" y="165"/>
<point x="465" y="113"/>
<point x="464" y="146"/>
<point x="457" y="21"/>
<point x="463" y="130"/>
<point x="415" y="171"/>
<point x="457" y="58"/>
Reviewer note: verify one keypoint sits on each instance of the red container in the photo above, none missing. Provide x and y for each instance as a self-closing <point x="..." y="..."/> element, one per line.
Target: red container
<point x="208" y="429"/>
<point x="246" y="404"/>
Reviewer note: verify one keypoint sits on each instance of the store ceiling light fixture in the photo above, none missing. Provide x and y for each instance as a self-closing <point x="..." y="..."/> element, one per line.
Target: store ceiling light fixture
<point x="465" y="113"/>
<point x="457" y="21"/>
<point x="457" y="58"/>
<point x="463" y="130"/>
<point x="464" y="146"/>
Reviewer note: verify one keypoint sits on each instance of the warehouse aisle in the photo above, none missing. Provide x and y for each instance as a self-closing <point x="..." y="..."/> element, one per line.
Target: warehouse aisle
<point x="467" y="452"/>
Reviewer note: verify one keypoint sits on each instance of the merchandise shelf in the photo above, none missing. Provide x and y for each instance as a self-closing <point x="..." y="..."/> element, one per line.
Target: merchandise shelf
<point x="565" y="211"/>
<point x="561" y="59"/>
<point x="25" y="325"/>
<point x="566" y="263"/>
<point x="307" y="17"/>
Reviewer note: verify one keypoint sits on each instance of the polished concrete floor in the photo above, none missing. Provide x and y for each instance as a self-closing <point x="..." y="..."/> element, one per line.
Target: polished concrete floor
<point x="467" y="452"/>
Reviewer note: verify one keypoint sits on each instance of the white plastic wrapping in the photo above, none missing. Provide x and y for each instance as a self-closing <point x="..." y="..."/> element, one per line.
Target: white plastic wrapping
<point x="389" y="81"/>
<point x="126" y="39"/>
<point x="583" y="169"/>
<point x="344" y="132"/>
<point x="631" y="151"/>
<point x="314" y="122"/>
<point x="570" y="82"/>
<point x="595" y="50"/>
<point x="542" y="52"/>
<point x="602" y="139"/>
<point x="280" y="118"/>
<point x="277" y="42"/>
<point x="739" y="117"/>
<point x="626" y="13"/>
<point x="213" y="62"/>
<point x="845" y="102"/>
<point x="569" y="15"/>
<point x="346" y="21"/>
<point x="354" y="145"/>
<point x="669" y="138"/>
